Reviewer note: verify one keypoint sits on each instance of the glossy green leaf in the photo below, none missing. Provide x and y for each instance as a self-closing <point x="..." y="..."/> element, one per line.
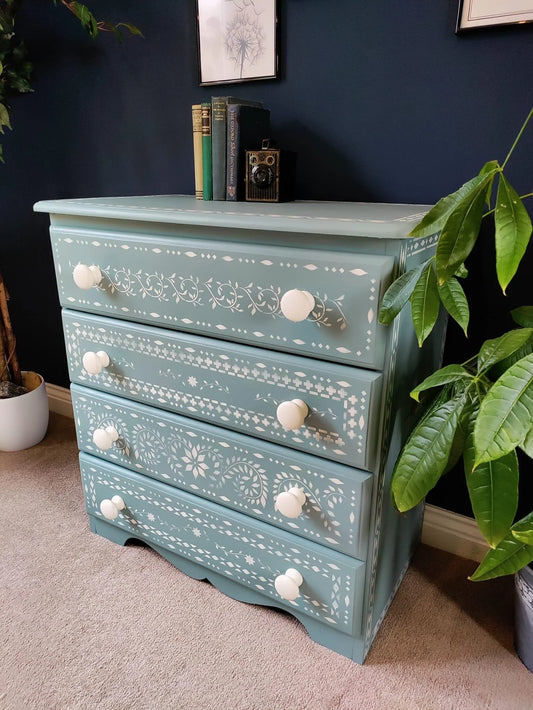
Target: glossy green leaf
<point x="506" y="413"/>
<point x="489" y="167"/>
<point x="527" y="444"/>
<point x="475" y="392"/>
<point x="461" y="272"/>
<point x="4" y="118"/>
<point x="131" y="28"/>
<point x="499" y="368"/>
<point x="523" y="531"/>
<point x="507" y="558"/>
<point x="513" y="230"/>
<point x="461" y="229"/>
<point x="450" y="373"/>
<point x="523" y="316"/>
<point x="454" y="301"/>
<point x="493" y="490"/>
<point x="397" y="295"/>
<point x="425" y="454"/>
<point x="425" y="303"/>
<point x="436" y="218"/>
<point x="495" y="350"/>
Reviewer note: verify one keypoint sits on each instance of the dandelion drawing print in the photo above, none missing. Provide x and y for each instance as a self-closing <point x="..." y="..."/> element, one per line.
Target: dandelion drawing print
<point x="237" y="40"/>
<point x="245" y="39"/>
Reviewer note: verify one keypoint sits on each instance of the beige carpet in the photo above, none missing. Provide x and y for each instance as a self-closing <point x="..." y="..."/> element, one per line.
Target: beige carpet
<point x="88" y="624"/>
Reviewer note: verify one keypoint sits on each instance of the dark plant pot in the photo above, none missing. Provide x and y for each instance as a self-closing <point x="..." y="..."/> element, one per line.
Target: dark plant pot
<point x="523" y="624"/>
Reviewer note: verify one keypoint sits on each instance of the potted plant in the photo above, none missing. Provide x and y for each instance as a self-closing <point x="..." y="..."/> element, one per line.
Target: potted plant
<point x="482" y="408"/>
<point x="23" y="399"/>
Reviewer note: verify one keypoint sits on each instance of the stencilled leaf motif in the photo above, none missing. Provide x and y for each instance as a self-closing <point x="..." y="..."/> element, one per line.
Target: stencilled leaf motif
<point x="148" y="445"/>
<point x="249" y="480"/>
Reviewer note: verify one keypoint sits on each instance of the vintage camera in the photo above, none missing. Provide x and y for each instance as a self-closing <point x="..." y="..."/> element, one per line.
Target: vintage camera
<point x="270" y="174"/>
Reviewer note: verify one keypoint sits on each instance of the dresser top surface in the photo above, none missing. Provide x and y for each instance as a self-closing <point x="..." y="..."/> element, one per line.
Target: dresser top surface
<point x="355" y="219"/>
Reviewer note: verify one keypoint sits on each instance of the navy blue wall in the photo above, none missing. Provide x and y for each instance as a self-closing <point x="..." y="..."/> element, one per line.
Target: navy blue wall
<point x="381" y="102"/>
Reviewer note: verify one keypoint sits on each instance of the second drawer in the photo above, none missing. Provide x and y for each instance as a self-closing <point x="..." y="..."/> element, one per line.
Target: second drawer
<point x="237" y="387"/>
<point x="237" y="471"/>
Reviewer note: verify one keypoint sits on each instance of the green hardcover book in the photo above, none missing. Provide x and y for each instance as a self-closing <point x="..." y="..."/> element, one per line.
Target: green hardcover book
<point x="219" y="120"/>
<point x="207" y="170"/>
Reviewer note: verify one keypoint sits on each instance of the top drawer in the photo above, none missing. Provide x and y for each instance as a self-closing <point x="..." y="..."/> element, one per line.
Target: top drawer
<point x="231" y="291"/>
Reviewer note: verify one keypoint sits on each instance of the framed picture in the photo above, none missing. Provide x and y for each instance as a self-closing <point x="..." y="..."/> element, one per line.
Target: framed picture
<point x="237" y="40"/>
<point x="484" y="13"/>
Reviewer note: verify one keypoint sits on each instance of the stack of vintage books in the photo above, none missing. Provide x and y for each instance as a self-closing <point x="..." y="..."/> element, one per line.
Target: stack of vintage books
<point x="223" y="130"/>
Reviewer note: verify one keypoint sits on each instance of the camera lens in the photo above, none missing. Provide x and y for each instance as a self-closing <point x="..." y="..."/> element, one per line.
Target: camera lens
<point x="262" y="176"/>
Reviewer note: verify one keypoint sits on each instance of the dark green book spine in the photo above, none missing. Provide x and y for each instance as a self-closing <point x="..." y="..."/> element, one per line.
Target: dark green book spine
<point x="218" y="146"/>
<point x="206" y="152"/>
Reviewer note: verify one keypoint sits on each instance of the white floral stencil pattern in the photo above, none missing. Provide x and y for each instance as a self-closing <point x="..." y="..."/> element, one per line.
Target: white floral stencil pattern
<point x="240" y="474"/>
<point x="342" y="401"/>
<point x="247" y="552"/>
<point x="175" y="286"/>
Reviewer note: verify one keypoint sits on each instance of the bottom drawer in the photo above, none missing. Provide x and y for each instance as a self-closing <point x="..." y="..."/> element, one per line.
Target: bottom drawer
<point x="248" y="552"/>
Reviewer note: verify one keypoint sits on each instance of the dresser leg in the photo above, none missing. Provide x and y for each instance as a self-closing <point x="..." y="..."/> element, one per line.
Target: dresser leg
<point x="105" y="529"/>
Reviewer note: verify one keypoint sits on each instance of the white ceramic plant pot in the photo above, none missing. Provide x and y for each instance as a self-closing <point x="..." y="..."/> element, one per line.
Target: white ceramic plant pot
<point x="24" y="419"/>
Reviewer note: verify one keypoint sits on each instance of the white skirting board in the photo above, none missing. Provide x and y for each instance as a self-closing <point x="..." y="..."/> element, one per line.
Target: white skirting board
<point x="442" y="529"/>
<point x="59" y="400"/>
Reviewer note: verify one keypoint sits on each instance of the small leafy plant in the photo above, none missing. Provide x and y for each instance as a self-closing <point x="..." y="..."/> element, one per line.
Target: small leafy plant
<point x="15" y="65"/>
<point x="481" y="409"/>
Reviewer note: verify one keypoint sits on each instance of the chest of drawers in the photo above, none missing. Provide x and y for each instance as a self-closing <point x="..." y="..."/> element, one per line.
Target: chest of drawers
<point x="237" y="405"/>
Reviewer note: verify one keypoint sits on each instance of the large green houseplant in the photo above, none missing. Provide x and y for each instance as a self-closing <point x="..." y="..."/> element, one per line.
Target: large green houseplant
<point x="480" y="409"/>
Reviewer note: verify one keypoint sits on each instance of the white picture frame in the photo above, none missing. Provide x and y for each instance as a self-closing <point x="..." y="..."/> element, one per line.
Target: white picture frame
<point x="474" y="14"/>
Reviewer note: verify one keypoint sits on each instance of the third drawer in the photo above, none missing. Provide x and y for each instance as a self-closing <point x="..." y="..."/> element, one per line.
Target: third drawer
<point x="330" y="502"/>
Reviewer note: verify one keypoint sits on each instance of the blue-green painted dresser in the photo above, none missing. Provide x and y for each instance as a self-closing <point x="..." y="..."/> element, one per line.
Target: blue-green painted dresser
<point x="238" y="406"/>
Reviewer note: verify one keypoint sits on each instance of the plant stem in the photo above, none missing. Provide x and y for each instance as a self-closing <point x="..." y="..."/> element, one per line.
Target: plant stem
<point x="517" y="139"/>
<point x="521" y="197"/>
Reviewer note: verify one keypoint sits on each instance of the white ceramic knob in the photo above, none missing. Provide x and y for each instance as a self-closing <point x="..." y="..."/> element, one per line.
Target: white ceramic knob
<point x="296" y="305"/>
<point x="292" y="413"/>
<point x="288" y="584"/>
<point x="85" y="277"/>
<point x="111" y="508"/>
<point x="290" y="503"/>
<point x="94" y="363"/>
<point x="105" y="438"/>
